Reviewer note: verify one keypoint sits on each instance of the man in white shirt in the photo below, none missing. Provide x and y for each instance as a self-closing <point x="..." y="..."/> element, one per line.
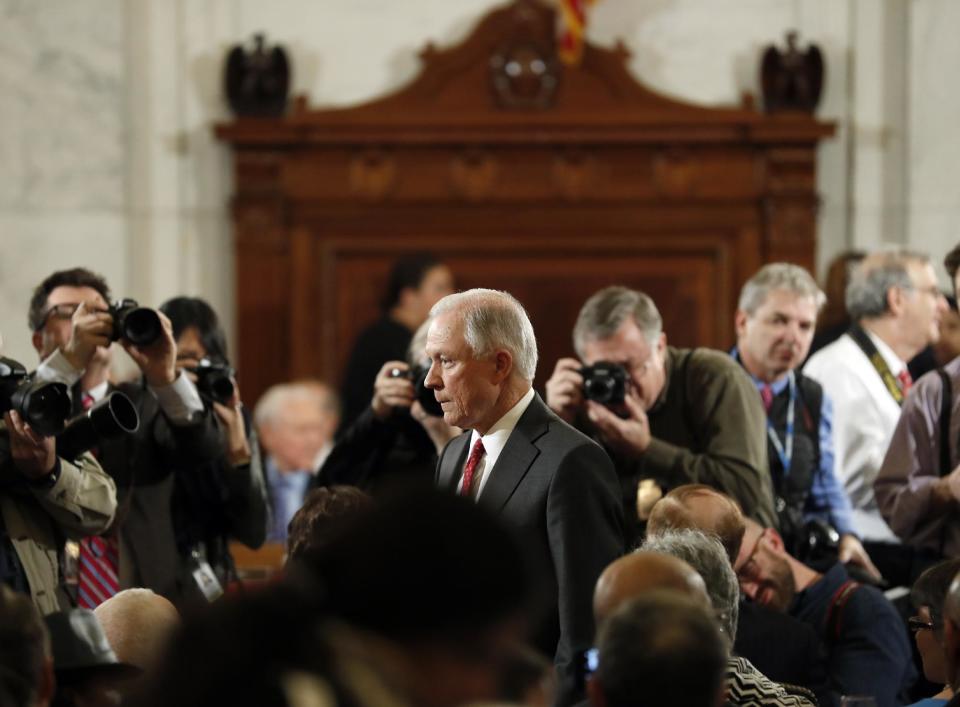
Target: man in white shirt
<point x="541" y="476"/>
<point x="896" y="305"/>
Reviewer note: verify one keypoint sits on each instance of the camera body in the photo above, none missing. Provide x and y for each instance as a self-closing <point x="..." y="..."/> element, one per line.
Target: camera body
<point x="605" y="382"/>
<point x="44" y="406"/>
<point x="215" y="380"/>
<point x="418" y="376"/>
<point x="139" y="325"/>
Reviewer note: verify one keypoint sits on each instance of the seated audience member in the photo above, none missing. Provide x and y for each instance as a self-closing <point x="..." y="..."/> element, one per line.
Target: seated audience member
<point x="687" y="416"/>
<point x="26" y="662"/>
<point x="44" y="500"/>
<point x="918" y="485"/>
<point x="412" y="623"/>
<point x="867" y="648"/>
<point x="782" y="648"/>
<point x="896" y="306"/>
<point x="775" y="322"/>
<point x="73" y="330"/>
<point x="643" y="571"/>
<point x="834" y="320"/>
<point x="138" y="625"/>
<point x="395" y="441"/>
<point x="227" y="499"/>
<point x="704" y="553"/>
<point x="416" y="283"/>
<point x="928" y="595"/>
<point x="295" y="422"/>
<point x="323" y="511"/>
<point x="86" y="668"/>
<point x="659" y="650"/>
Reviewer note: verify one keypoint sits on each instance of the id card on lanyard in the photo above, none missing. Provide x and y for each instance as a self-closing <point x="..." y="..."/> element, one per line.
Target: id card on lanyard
<point x="784" y="449"/>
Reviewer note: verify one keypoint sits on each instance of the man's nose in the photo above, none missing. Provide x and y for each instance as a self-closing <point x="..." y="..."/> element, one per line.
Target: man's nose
<point x="433" y="380"/>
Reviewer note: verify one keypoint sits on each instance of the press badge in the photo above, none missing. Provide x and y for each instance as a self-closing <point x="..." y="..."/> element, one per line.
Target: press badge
<point x="206" y="580"/>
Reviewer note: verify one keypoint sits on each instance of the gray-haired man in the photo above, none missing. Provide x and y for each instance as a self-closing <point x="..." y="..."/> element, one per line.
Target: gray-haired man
<point x="541" y="476"/>
<point x="775" y="323"/>
<point x="689" y="416"/>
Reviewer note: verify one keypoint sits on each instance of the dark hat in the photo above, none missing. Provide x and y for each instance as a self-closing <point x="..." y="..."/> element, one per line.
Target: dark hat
<point x="80" y="648"/>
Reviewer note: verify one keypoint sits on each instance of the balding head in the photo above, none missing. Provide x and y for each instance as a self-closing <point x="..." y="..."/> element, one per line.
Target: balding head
<point x="138" y="625"/>
<point x="640" y="572"/>
<point x="699" y="507"/>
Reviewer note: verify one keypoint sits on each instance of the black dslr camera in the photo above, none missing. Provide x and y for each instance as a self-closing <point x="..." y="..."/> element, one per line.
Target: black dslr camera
<point x="605" y="382"/>
<point x="214" y="380"/>
<point x="43" y="406"/>
<point x="139" y="325"/>
<point x="111" y="417"/>
<point x="418" y="375"/>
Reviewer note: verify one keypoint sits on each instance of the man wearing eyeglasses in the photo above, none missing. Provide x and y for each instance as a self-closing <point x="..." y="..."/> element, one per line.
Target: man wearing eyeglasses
<point x="72" y="333"/>
<point x="687" y="416"/>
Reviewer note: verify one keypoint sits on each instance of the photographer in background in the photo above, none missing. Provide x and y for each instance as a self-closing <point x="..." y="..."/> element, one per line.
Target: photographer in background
<point x="43" y="500"/>
<point x="670" y="416"/>
<point x="73" y="328"/>
<point x="396" y="440"/>
<point x="225" y="499"/>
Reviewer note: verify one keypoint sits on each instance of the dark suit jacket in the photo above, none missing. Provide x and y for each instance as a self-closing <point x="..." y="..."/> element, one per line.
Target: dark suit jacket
<point x="557" y="488"/>
<point x="143" y="465"/>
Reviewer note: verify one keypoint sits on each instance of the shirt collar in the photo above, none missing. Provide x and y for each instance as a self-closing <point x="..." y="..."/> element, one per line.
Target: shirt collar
<point x="777" y="386"/>
<point x="496" y="438"/>
<point x="97" y="392"/>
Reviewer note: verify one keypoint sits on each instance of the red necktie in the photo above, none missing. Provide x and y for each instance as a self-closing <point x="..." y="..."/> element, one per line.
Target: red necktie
<point x="766" y="395"/>
<point x="86" y="401"/>
<point x="467" y="488"/>
<point x="906" y="380"/>
<point x="97" y="573"/>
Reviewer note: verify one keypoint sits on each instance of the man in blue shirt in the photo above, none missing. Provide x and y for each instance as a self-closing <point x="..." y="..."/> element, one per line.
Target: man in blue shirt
<point x="775" y="323"/>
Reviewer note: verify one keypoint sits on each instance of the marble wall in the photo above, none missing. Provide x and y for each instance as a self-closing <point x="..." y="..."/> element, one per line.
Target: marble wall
<point x="107" y="156"/>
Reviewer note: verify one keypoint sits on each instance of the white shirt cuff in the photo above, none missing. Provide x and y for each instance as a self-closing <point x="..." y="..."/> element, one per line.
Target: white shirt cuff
<point x="179" y="401"/>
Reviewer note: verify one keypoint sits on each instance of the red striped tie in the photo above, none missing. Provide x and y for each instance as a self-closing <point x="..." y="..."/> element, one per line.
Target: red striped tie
<point x="97" y="573"/>
<point x="470" y="485"/>
<point x="906" y="381"/>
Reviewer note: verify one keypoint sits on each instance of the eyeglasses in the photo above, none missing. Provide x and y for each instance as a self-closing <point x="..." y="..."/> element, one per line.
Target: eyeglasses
<point x="58" y="311"/>
<point x="749" y="563"/>
<point x="915" y="623"/>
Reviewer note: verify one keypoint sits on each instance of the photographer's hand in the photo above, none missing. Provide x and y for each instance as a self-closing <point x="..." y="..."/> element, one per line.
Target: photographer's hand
<point x="158" y="361"/>
<point x="33" y="455"/>
<point x="391" y="392"/>
<point x="565" y="389"/>
<point x="852" y="550"/>
<point x="91" y="329"/>
<point x="234" y="430"/>
<point x="439" y="431"/>
<point x="629" y="437"/>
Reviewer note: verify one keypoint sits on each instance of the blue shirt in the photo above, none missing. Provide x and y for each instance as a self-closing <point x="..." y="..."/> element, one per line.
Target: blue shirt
<point x="287" y="489"/>
<point x="827" y="499"/>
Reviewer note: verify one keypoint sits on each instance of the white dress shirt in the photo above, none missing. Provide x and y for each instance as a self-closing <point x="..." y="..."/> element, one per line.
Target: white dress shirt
<point x="865" y="416"/>
<point x="495" y="440"/>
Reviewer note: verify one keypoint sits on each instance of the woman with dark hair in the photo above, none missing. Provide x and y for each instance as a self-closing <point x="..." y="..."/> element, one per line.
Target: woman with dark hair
<point x="927" y="596"/>
<point x="225" y="500"/>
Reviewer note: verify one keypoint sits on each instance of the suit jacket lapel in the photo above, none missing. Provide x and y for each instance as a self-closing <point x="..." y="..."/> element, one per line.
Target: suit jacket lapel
<point x="448" y="473"/>
<point x="516" y="457"/>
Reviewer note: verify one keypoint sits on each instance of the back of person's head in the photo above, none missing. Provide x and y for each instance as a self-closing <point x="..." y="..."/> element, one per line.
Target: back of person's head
<point x="187" y="312"/>
<point x="659" y="650"/>
<point x="323" y="511"/>
<point x="493" y="319"/>
<point x="423" y="566"/>
<point x="834" y="312"/>
<point x="138" y="624"/>
<point x="778" y="276"/>
<point x="952" y="262"/>
<point x="408" y="272"/>
<point x="703" y="508"/>
<point x="604" y="313"/>
<point x="708" y="557"/>
<point x="874" y="277"/>
<point x="74" y="277"/>
<point x="930" y="590"/>
<point x="25" y="665"/>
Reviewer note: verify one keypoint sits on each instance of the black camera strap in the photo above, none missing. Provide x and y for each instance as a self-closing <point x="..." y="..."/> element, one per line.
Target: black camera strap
<point x="878" y="362"/>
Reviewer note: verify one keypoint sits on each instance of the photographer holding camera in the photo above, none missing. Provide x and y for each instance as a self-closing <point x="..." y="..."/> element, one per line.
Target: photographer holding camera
<point x="73" y="327"/>
<point x="226" y="499"/>
<point x="396" y="440"/>
<point x="667" y="416"/>
<point x="44" y="499"/>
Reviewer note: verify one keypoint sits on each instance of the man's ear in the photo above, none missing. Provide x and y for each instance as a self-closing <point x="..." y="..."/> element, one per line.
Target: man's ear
<point x="740" y="322"/>
<point x="776" y="542"/>
<point x="595" y="692"/>
<point x="37" y="340"/>
<point x="662" y="343"/>
<point x="896" y="298"/>
<point x="503" y="362"/>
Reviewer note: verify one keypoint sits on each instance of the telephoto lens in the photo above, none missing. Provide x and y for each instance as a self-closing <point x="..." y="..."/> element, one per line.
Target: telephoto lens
<point x="139" y="325"/>
<point x="43" y="406"/>
<point x="111" y="417"/>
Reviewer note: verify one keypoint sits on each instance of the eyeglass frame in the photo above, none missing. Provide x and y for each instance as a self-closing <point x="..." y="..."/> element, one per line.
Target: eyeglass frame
<point x="64" y="310"/>
<point x="916" y="624"/>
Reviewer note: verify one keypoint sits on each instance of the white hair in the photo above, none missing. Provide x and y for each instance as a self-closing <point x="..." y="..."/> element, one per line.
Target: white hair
<point x="278" y="396"/>
<point x="494" y="320"/>
<point x="779" y="276"/>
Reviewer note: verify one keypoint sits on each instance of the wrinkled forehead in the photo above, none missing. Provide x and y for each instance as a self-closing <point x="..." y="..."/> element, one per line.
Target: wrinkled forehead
<point x="446" y="331"/>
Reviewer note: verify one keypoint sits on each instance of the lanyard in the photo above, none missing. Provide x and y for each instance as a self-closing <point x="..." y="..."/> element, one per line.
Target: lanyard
<point x="879" y="364"/>
<point x="785" y="449"/>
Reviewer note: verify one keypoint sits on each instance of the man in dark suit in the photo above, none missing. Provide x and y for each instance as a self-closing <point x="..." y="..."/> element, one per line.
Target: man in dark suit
<point x="550" y="482"/>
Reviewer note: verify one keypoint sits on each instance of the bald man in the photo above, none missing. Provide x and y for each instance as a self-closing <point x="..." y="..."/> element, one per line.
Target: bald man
<point x="138" y="625"/>
<point x="639" y="572"/>
<point x="781" y="647"/>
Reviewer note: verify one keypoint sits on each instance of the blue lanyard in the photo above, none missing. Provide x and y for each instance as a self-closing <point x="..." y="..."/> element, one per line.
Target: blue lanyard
<point x="785" y="448"/>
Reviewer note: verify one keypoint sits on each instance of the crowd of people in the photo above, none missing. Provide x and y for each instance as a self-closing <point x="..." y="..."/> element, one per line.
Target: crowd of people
<point x="662" y="526"/>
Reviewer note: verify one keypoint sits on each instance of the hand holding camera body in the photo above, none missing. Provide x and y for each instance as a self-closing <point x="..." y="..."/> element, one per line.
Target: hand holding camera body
<point x="424" y="395"/>
<point x="605" y="383"/>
